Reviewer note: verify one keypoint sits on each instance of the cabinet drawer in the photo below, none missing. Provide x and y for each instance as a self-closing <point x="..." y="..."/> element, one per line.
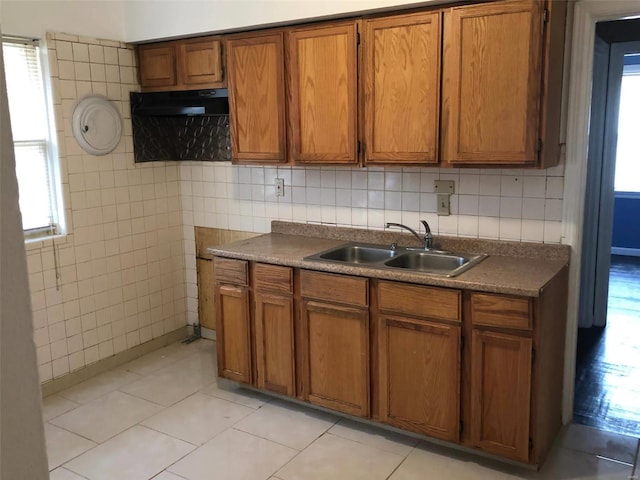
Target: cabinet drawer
<point x="273" y="278"/>
<point x="501" y="311"/>
<point x="229" y="270"/>
<point x="416" y="300"/>
<point x="334" y="288"/>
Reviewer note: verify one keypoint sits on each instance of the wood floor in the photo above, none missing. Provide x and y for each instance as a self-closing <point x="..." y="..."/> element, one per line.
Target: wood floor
<point x="608" y="363"/>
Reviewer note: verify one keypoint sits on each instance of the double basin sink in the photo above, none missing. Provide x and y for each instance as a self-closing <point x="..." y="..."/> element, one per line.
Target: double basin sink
<point x="436" y="262"/>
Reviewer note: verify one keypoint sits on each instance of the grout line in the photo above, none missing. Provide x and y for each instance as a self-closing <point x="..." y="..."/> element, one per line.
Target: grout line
<point x="295" y="456"/>
<point x="195" y="445"/>
<point x="233" y="427"/>
<point x="613" y="460"/>
<point x="69" y="470"/>
<point x="403" y="460"/>
<point x="80" y="435"/>
<point x="396" y="468"/>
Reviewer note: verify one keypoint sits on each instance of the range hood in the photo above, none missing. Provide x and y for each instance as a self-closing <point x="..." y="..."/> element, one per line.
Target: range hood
<point x="187" y="125"/>
<point x="191" y="103"/>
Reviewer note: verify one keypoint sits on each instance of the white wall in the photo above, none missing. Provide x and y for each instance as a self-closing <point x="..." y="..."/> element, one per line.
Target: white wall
<point x="33" y="18"/>
<point x="151" y="19"/>
<point x="23" y="456"/>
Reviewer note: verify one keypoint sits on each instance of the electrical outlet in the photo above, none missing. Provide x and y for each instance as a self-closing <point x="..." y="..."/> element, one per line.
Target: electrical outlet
<point x="279" y="184"/>
<point x="443" y="204"/>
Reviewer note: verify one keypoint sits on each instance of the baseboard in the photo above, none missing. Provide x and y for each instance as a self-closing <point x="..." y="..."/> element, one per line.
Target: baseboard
<point x="208" y="333"/>
<point x="628" y="252"/>
<point x="73" y="378"/>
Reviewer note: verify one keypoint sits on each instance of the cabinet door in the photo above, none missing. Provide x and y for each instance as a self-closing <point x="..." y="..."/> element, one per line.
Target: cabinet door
<point x="337" y="357"/>
<point x="491" y="85"/>
<point x="233" y="332"/>
<point x="274" y="343"/>
<point x="322" y="95"/>
<point x="201" y="62"/>
<point x="420" y="376"/>
<point x="157" y="65"/>
<point x="501" y="393"/>
<point x="402" y="88"/>
<point x="206" y="305"/>
<point x="256" y="98"/>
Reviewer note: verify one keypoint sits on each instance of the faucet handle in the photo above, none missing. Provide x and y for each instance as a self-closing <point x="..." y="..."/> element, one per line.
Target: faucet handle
<point x="426" y="226"/>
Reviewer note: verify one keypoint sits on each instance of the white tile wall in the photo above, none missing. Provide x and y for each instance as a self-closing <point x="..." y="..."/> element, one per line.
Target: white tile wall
<point x="508" y="204"/>
<point x="120" y="277"/>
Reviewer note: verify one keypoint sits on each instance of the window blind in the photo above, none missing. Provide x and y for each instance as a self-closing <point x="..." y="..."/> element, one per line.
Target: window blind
<point x="29" y="125"/>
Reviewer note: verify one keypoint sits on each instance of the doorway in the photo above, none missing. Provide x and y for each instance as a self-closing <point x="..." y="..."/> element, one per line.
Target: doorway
<point x="607" y="381"/>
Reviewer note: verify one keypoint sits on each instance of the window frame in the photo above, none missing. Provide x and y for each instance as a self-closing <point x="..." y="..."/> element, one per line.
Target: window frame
<point x="629" y="69"/>
<point x="57" y="225"/>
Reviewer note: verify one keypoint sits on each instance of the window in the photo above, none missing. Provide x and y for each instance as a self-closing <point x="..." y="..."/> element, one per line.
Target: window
<point x="35" y="167"/>
<point x="628" y="154"/>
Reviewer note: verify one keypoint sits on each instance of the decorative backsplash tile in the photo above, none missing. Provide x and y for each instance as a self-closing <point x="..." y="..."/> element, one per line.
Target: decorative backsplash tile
<point x="204" y="138"/>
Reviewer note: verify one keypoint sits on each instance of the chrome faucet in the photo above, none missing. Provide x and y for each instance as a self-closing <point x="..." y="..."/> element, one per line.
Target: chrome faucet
<point x="427" y="239"/>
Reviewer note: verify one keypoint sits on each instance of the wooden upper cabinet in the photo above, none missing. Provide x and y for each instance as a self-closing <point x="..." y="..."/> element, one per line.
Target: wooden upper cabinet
<point x="501" y="393"/>
<point x="200" y="61"/>
<point x="157" y="64"/>
<point x="191" y="64"/>
<point x="322" y="94"/>
<point x="256" y="98"/>
<point x="492" y="78"/>
<point x="402" y="88"/>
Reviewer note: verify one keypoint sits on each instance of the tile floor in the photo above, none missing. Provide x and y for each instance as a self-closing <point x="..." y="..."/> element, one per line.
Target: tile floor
<point x="164" y="416"/>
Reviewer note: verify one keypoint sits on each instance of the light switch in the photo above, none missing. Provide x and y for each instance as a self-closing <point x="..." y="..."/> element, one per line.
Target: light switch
<point x="443" y="204"/>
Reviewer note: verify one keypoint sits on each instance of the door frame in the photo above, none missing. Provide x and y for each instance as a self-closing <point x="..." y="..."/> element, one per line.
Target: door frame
<point x="597" y="231"/>
<point x="585" y="15"/>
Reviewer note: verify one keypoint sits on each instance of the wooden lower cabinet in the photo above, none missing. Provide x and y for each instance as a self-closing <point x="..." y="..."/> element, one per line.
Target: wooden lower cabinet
<point x="419" y="367"/>
<point x="336" y="353"/>
<point x="233" y="325"/>
<point x="501" y="393"/>
<point x="394" y="352"/>
<point x="275" y="365"/>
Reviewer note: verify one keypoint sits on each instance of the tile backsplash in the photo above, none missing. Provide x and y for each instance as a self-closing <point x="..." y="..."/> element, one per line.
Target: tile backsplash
<point x="507" y="204"/>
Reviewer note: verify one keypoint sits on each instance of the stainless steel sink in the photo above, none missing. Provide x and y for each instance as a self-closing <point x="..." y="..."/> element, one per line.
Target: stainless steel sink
<point x="434" y="262"/>
<point x="359" y="254"/>
<point x="449" y="264"/>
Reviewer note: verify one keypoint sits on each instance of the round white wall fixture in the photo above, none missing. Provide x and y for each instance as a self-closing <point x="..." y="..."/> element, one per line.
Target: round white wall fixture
<point x="97" y="125"/>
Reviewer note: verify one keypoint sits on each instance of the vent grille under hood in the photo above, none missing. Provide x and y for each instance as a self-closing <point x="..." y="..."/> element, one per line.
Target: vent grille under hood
<point x="173" y="126"/>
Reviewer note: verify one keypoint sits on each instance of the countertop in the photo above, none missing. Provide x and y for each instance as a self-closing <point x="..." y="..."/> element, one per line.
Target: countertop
<point x="498" y="273"/>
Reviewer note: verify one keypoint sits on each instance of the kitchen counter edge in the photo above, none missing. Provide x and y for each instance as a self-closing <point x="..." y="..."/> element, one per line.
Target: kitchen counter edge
<point x="496" y="274"/>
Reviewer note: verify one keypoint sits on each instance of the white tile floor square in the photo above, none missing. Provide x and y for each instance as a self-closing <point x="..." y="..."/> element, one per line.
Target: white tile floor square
<point x="165" y="416"/>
